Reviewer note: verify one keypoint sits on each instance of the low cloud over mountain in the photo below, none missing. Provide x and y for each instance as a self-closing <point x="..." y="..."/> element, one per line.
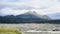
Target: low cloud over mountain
<point x="15" y="7"/>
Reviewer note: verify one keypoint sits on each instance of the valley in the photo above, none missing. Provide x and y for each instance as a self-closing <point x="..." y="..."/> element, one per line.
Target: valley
<point x="34" y="28"/>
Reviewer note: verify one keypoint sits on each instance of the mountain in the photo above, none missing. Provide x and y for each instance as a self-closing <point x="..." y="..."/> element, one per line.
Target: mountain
<point x="28" y="17"/>
<point x="55" y="16"/>
<point x="32" y="15"/>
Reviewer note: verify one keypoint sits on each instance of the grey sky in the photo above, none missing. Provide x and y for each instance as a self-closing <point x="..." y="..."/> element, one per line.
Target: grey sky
<point x="15" y="7"/>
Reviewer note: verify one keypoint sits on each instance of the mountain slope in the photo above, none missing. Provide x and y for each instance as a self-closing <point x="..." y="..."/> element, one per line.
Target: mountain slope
<point x="28" y="17"/>
<point x="33" y="15"/>
<point x="54" y="16"/>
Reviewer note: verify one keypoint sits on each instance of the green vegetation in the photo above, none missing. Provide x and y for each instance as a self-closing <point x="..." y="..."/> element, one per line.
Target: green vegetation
<point x="9" y="31"/>
<point x="17" y="20"/>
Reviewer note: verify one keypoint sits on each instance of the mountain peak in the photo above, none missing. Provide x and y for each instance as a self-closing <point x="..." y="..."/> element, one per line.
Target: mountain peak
<point x="34" y="15"/>
<point x="31" y="12"/>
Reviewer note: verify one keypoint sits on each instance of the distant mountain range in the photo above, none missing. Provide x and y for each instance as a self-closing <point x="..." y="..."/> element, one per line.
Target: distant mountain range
<point x="55" y="16"/>
<point x="33" y="16"/>
<point x="28" y="17"/>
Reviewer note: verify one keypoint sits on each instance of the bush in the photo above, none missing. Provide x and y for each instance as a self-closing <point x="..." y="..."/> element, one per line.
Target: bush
<point x="9" y="31"/>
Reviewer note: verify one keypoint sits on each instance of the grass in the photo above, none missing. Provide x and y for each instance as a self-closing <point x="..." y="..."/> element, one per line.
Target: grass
<point x="9" y="31"/>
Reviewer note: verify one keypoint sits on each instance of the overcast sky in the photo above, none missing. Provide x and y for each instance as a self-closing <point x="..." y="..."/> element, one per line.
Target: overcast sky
<point x="15" y="7"/>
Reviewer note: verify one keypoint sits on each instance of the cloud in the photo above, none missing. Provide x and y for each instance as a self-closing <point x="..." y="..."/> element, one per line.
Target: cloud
<point x="33" y="3"/>
<point x="9" y="11"/>
<point x="9" y="0"/>
<point x="43" y="6"/>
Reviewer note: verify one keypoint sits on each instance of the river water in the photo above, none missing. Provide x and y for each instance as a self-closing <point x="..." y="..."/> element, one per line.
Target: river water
<point x="33" y="28"/>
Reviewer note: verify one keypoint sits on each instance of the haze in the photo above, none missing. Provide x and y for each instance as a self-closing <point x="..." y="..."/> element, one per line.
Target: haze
<point x="43" y="7"/>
